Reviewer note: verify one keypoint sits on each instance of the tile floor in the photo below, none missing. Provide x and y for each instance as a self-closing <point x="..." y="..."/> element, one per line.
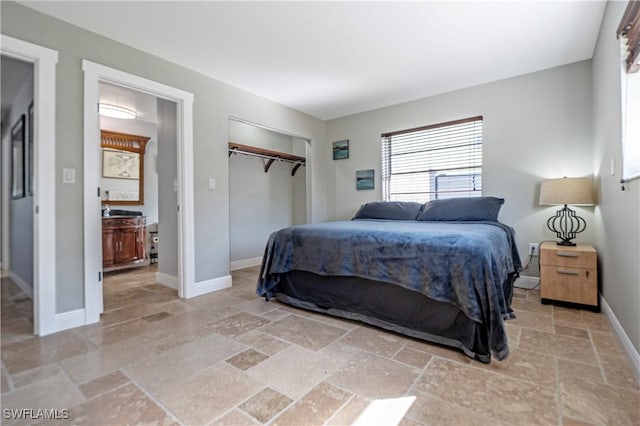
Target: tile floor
<point x="230" y="358"/>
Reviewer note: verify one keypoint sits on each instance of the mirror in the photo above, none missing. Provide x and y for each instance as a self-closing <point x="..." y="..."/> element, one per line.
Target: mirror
<point x="122" y="168"/>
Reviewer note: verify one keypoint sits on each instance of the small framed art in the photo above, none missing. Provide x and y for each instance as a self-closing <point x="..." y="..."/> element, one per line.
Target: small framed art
<point x="341" y="149"/>
<point x="365" y="179"/>
<point x="17" y="159"/>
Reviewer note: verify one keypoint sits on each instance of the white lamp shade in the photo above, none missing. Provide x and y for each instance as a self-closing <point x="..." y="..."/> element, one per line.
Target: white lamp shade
<point x="573" y="191"/>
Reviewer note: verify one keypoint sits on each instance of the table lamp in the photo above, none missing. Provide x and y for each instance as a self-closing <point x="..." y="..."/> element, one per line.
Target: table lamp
<point x="575" y="191"/>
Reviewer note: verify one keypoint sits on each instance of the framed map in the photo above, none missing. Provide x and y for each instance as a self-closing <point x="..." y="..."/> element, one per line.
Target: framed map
<point x="120" y="164"/>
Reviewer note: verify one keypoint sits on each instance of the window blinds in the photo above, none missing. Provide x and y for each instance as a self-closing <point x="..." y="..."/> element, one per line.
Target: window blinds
<point x="433" y="162"/>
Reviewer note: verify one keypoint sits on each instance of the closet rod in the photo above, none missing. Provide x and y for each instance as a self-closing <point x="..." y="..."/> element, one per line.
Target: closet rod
<point x="268" y="157"/>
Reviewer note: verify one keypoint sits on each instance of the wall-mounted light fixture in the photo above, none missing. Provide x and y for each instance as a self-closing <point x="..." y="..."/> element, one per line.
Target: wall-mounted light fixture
<point x="115" y="111"/>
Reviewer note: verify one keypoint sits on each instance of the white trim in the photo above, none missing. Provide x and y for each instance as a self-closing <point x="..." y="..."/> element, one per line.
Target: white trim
<point x="208" y="286"/>
<point x="22" y="284"/>
<point x="93" y="73"/>
<point x="70" y="319"/>
<point x="245" y="263"/>
<point x="622" y="335"/>
<point x="526" y="282"/>
<point x="167" y="280"/>
<point x="44" y="241"/>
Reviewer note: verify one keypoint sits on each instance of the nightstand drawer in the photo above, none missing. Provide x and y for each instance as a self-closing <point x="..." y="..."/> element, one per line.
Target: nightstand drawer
<point x="568" y="284"/>
<point x="571" y="257"/>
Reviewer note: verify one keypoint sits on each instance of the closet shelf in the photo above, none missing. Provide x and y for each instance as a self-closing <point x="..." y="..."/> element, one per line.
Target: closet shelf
<point x="272" y="156"/>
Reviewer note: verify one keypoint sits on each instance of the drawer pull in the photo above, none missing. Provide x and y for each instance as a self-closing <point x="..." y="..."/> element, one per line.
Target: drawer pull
<point x="568" y="272"/>
<point x="566" y="254"/>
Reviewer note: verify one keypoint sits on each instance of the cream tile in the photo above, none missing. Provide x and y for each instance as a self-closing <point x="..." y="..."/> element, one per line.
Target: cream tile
<point x="157" y="317"/>
<point x="294" y="371"/>
<point x="104" y="360"/>
<point x="237" y="324"/>
<point x="235" y="418"/>
<point x="336" y="321"/>
<point x="118" y="332"/>
<point x="533" y="367"/>
<point x="513" y="334"/>
<point x="481" y="391"/>
<point x="598" y="403"/>
<point x="36" y="351"/>
<point x="432" y="411"/>
<point x="103" y="384"/>
<point x="441" y="351"/>
<point x="247" y="359"/>
<point x="371" y="376"/>
<point x="578" y="319"/>
<point x="303" y="332"/>
<point x="340" y="351"/>
<point x="571" y="331"/>
<point x="530" y="306"/>
<point x="4" y="378"/>
<point x="533" y="320"/>
<point x="262" y="342"/>
<point x="34" y="375"/>
<point x="54" y="392"/>
<point x="374" y="340"/>
<point x="316" y="407"/>
<point x="349" y="412"/>
<point x="157" y="372"/>
<point x="127" y="313"/>
<point x="126" y="405"/>
<point x="568" y="347"/>
<point x="265" y="405"/>
<point x="606" y="344"/>
<point x="15" y="330"/>
<point x="202" y="397"/>
<point x="256" y="306"/>
<point x="413" y="357"/>
<point x="275" y="315"/>
<point x="567" y="368"/>
<point x="618" y="372"/>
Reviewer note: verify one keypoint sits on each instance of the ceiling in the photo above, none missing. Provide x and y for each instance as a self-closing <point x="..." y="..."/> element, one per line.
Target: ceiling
<point x="145" y="105"/>
<point x="331" y="59"/>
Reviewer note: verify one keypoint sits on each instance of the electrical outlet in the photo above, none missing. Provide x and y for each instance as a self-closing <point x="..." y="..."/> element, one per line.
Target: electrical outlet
<point x="534" y="249"/>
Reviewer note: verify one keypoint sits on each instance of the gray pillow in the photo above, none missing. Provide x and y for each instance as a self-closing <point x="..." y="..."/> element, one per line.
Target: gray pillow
<point x="475" y="208"/>
<point x="394" y="210"/>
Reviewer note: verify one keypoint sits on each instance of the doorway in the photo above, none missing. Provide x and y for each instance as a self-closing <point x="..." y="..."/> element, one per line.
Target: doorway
<point x="43" y="272"/>
<point x="94" y="75"/>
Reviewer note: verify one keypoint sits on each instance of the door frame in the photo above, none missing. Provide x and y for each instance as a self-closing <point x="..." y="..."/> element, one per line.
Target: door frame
<point x="44" y="62"/>
<point x="93" y="74"/>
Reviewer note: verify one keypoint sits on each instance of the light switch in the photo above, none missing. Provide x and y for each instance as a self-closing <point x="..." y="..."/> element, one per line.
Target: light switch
<point x="68" y="175"/>
<point x="212" y="183"/>
<point x="613" y="167"/>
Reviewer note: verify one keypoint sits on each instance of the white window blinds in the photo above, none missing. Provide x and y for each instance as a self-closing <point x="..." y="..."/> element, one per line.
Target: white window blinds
<point x="433" y="162"/>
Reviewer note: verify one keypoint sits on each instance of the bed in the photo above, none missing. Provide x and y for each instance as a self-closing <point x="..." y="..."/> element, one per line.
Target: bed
<point x="441" y="272"/>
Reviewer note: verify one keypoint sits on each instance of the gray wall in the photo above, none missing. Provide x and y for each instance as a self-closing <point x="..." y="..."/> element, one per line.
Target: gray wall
<point x="536" y="126"/>
<point x="150" y="130"/>
<point x="261" y="203"/>
<point x="20" y="212"/>
<point x="167" y="195"/>
<point x="617" y="216"/>
<point x="214" y="103"/>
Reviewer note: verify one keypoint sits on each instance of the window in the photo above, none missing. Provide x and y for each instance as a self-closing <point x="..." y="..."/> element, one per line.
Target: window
<point x="433" y="162"/>
<point x="629" y="35"/>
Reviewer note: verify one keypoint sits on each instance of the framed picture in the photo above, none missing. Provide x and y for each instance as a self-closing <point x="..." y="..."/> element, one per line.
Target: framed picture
<point x="341" y="149"/>
<point x="30" y="163"/>
<point x="120" y="164"/>
<point x="17" y="159"/>
<point x="365" y="179"/>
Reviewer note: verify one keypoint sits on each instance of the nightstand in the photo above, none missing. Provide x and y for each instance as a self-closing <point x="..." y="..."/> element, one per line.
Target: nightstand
<point x="569" y="274"/>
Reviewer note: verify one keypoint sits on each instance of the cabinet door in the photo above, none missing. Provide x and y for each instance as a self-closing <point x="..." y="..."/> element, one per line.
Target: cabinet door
<point x="142" y="242"/>
<point x="108" y="247"/>
<point x="127" y="248"/>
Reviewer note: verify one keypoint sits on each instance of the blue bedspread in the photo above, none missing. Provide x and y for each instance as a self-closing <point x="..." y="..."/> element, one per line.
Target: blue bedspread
<point x="462" y="263"/>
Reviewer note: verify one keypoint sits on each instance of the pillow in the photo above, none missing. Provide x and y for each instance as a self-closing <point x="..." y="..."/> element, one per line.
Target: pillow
<point x="475" y="208"/>
<point x="394" y="210"/>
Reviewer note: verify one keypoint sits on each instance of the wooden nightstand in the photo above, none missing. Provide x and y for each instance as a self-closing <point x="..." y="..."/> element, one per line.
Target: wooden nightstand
<point x="569" y="274"/>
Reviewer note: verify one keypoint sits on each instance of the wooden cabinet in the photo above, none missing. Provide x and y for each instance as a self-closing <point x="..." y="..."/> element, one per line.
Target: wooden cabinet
<point x="123" y="241"/>
<point x="569" y="274"/>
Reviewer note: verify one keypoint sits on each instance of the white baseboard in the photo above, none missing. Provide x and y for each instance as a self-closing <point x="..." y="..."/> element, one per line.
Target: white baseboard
<point x="167" y="280"/>
<point x="245" y="263"/>
<point x="208" y="286"/>
<point x="622" y="335"/>
<point x="22" y="284"/>
<point x="71" y="319"/>
<point x="526" y="282"/>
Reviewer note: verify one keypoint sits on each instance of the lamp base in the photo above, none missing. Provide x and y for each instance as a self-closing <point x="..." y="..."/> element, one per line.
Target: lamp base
<point x="566" y="224"/>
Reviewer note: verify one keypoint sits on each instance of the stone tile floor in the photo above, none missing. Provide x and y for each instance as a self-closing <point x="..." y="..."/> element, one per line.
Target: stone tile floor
<point x="230" y="358"/>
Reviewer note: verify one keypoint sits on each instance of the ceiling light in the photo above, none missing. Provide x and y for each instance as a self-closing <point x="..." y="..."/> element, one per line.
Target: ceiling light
<point x="115" y="111"/>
